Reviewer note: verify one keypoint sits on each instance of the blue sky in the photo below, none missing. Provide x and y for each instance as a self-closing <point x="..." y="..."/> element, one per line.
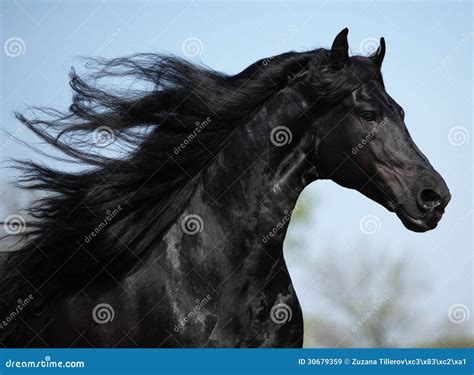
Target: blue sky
<point x="427" y="69"/>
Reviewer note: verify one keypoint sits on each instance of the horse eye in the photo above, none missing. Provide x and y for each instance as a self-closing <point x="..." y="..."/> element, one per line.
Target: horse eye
<point x="368" y="116"/>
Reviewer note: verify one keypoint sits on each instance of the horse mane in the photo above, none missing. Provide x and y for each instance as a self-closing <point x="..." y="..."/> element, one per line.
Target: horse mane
<point x="130" y="199"/>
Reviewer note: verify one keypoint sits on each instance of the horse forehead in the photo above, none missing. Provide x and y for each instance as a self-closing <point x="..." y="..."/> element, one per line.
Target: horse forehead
<point x="374" y="91"/>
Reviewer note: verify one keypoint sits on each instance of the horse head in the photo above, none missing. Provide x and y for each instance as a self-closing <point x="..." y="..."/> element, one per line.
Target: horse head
<point x="360" y="139"/>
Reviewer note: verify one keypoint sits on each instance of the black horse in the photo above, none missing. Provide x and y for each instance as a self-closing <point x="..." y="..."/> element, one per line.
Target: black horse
<point x="178" y="241"/>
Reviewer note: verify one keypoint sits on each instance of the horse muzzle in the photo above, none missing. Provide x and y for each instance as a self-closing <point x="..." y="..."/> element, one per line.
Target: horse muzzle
<point x="425" y="206"/>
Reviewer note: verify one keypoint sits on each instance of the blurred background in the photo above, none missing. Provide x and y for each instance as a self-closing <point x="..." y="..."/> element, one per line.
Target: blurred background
<point x="372" y="283"/>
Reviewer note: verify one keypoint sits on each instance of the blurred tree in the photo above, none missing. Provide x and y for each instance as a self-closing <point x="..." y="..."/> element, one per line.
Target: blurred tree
<point x="370" y="300"/>
<point x="300" y="220"/>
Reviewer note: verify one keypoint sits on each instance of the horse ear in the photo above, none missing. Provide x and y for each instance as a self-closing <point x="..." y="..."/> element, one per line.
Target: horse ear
<point x="378" y="56"/>
<point x="340" y="50"/>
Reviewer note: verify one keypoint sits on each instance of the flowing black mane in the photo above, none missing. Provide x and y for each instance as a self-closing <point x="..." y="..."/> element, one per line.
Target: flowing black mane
<point x="172" y="183"/>
<point x="132" y="198"/>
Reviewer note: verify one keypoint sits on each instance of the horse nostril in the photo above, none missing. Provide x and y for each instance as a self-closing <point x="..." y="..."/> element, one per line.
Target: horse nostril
<point x="428" y="195"/>
<point x="428" y="199"/>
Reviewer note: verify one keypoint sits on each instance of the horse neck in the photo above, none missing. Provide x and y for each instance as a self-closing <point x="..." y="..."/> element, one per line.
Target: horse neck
<point x="247" y="194"/>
